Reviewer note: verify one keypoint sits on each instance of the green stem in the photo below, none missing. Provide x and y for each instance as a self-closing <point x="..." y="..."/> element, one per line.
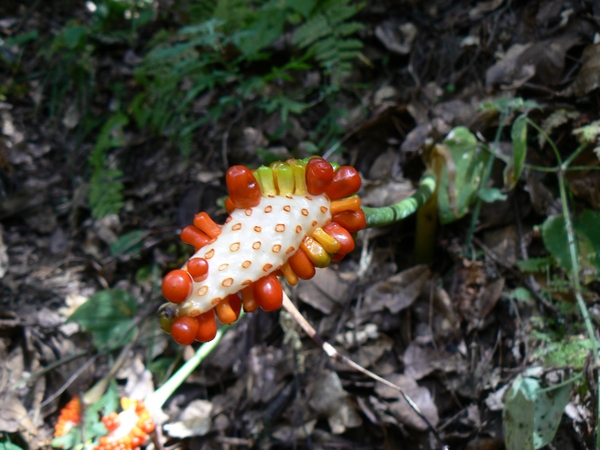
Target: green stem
<point x="386" y="215"/>
<point x="157" y="399"/>
<point x="575" y="276"/>
<point x="484" y="180"/>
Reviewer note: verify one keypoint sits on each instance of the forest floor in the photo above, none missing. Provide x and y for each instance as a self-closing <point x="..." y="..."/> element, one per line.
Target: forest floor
<point x="455" y="333"/>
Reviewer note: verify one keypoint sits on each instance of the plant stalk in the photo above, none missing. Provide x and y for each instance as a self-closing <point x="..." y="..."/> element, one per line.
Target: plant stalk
<point x="387" y="215"/>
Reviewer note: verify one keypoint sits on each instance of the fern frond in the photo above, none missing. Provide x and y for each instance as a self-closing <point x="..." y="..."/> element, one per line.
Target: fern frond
<point x="106" y="192"/>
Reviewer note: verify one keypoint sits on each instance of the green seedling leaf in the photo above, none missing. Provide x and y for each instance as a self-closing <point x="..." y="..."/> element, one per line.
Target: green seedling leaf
<point x="5" y="444"/>
<point x="587" y="240"/>
<point x="532" y="413"/>
<point x="534" y="264"/>
<point x="107" y="314"/>
<point x="518" y="134"/>
<point x="469" y="160"/>
<point x="129" y="243"/>
<point x="521" y="294"/>
<point x="491" y="195"/>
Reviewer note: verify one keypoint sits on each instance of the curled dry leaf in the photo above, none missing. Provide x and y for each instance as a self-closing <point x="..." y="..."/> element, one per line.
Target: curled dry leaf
<point x="331" y="400"/>
<point x="588" y="77"/>
<point x="325" y="291"/>
<point x="401" y="409"/>
<point x="399" y="291"/>
<point x="193" y="421"/>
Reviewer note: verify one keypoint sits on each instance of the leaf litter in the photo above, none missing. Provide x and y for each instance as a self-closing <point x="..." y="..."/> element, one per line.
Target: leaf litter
<point x="450" y="335"/>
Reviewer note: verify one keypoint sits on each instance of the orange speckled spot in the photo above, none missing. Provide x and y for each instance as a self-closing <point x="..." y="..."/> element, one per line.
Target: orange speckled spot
<point x="289" y="196"/>
<point x="222" y="267"/>
<point x="298" y="229"/>
<point x="314" y="223"/>
<point x="246" y="264"/>
<point x="234" y="247"/>
<point x="290" y="250"/>
<point x="267" y="267"/>
<point x="229" y="219"/>
<point x="202" y="291"/>
<point x="216" y="301"/>
<point x="304" y="212"/>
<point x="287" y="208"/>
<point x="210" y="254"/>
<point x="323" y="209"/>
<point x="236" y="227"/>
<point x="194" y="312"/>
<point x="276" y="248"/>
<point x="257" y="229"/>
<point x="271" y="196"/>
<point x="249" y="212"/>
<point x="280" y="228"/>
<point x="256" y="245"/>
<point x="227" y="282"/>
<point x="308" y="197"/>
<point x="247" y="283"/>
<point x="268" y="209"/>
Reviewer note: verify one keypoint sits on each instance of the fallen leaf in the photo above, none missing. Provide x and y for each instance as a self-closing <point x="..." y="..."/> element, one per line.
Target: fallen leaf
<point x="401" y="409"/>
<point x="588" y="77"/>
<point x="399" y="291"/>
<point x="329" y="398"/>
<point x="325" y="291"/>
<point x="193" y="421"/>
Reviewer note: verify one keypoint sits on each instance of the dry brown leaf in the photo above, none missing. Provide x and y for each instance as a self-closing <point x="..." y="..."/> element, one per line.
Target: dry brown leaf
<point x="399" y="291"/>
<point x="401" y="409"/>
<point x="325" y="291"/>
<point x="193" y="421"/>
<point x="420" y="361"/>
<point x="588" y="77"/>
<point x="330" y="399"/>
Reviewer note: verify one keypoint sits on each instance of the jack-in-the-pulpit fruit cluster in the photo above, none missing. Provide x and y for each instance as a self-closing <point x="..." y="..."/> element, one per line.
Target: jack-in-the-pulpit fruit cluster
<point x="285" y="220"/>
<point x="127" y="430"/>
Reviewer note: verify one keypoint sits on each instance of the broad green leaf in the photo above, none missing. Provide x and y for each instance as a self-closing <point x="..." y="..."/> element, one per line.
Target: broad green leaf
<point x="587" y="239"/>
<point x="107" y="314"/>
<point x="532" y="413"/>
<point x="129" y="243"/>
<point x="469" y="159"/>
<point x="518" y="134"/>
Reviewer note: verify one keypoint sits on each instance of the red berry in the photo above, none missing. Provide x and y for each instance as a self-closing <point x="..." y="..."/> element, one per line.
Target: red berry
<point x="244" y="190"/>
<point x="184" y="330"/>
<point x="194" y="237"/>
<point x="268" y="293"/>
<point x="319" y="175"/>
<point x="302" y="265"/>
<point x="207" y="327"/>
<point x="198" y="268"/>
<point x="346" y="182"/>
<point x="177" y="286"/>
<point x="352" y="221"/>
<point x="340" y="234"/>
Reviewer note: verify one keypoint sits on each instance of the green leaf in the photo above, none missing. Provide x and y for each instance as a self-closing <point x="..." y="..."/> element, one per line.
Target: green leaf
<point x="468" y="158"/>
<point x="107" y="314"/>
<point x="518" y="134"/>
<point x="521" y="294"/>
<point x="532" y="413"/>
<point x="534" y="264"/>
<point x="129" y="243"/>
<point x="587" y="239"/>
<point x="491" y="195"/>
<point x="5" y="444"/>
